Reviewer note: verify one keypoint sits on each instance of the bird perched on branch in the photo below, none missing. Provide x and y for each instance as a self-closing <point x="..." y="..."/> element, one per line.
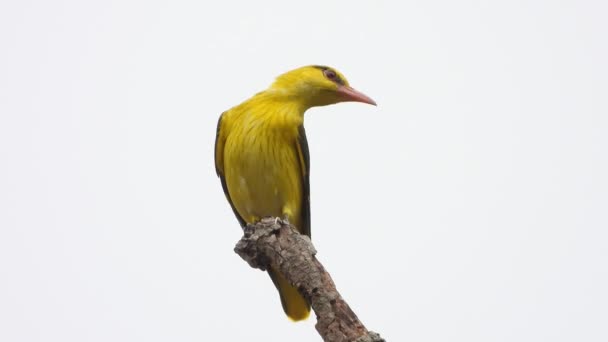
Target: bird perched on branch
<point x="261" y="156"/>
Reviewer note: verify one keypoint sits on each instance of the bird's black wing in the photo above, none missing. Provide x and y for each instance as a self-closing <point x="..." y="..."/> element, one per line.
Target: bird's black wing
<point x="302" y="147"/>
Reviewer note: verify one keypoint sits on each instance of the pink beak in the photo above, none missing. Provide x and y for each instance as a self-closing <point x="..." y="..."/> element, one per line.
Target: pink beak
<point x="350" y="94"/>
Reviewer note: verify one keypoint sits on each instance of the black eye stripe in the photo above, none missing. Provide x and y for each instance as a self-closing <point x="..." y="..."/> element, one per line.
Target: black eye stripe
<point x="330" y="74"/>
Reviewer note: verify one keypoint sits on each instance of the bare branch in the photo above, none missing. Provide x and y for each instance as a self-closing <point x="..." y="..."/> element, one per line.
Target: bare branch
<point x="274" y="242"/>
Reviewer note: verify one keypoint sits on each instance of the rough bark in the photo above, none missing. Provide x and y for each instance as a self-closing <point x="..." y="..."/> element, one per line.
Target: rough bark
<point x="274" y="242"/>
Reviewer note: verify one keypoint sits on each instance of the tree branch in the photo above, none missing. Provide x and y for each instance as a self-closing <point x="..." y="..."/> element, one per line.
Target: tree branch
<point x="274" y="242"/>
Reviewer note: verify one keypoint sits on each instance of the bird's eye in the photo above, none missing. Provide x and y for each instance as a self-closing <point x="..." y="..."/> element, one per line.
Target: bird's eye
<point x="330" y="74"/>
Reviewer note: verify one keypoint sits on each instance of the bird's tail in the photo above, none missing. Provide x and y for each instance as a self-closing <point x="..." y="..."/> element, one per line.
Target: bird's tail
<point x="294" y="305"/>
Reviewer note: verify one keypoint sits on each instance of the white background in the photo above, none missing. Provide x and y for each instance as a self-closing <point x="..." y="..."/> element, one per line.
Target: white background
<point x="470" y="205"/>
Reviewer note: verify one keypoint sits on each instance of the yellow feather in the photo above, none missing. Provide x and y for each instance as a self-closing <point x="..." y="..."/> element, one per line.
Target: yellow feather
<point x="261" y="162"/>
<point x="263" y="174"/>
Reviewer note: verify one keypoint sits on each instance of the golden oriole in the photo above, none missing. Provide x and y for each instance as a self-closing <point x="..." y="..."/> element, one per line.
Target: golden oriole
<point x="261" y="156"/>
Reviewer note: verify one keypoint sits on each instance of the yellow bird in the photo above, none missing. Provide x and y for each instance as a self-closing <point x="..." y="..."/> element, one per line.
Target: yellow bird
<point x="261" y="156"/>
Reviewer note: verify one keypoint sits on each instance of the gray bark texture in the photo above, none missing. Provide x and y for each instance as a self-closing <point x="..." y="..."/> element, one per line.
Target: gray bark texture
<point x="274" y="242"/>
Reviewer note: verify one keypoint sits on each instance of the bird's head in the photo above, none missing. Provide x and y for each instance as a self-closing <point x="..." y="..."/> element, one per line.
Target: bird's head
<point x="317" y="85"/>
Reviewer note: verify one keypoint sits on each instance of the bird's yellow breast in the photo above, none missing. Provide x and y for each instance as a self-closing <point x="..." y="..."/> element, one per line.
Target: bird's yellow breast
<point x="262" y="167"/>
